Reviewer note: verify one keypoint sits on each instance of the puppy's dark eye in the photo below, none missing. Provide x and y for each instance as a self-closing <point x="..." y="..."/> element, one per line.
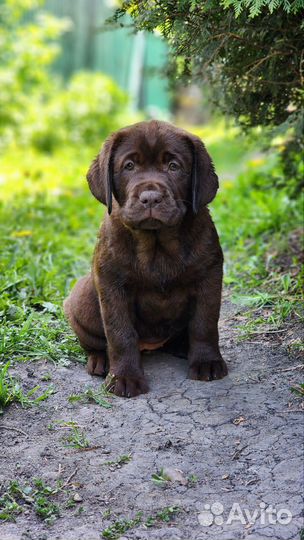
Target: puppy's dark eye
<point x="173" y="166"/>
<point x="129" y="165"/>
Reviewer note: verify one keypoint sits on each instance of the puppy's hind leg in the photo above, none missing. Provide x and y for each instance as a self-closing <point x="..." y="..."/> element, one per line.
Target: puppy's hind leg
<point x="82" y="311"/>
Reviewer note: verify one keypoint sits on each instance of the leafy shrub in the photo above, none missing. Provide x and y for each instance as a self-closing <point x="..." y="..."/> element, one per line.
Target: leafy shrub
<point x="35" y="107"/>
<point x="249" y="52"/>
<point x="237" y="46"/>
<point x="28" y="46"/>
<point x="86" y="111"/>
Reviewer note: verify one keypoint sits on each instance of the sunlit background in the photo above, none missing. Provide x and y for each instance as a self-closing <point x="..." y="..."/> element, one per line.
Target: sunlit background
<point x="67" y="80"/>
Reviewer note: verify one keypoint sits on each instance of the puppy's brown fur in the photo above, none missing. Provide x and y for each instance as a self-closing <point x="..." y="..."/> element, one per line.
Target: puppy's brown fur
<point x="157" y="268"/>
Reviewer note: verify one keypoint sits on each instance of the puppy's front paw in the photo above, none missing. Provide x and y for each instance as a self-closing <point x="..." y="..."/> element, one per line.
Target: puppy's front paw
<point x="126" y="386"/>
<point x="208" y="371"/>
<point x="97" y="364"/>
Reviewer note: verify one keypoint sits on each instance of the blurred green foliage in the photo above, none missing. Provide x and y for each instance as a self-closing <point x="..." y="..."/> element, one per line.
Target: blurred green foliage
<point x="49" y="220"/>
<point x="48" y="229"/>
<point x="261" y="230"/>
<point x="49" y="133"/>
<point x="36" y="108"/>
<point x="27" y="48"/>
<point x="85" y="112"/>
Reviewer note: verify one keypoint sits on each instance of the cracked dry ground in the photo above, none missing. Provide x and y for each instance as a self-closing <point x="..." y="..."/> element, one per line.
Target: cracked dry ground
<point x="240" y="437"/>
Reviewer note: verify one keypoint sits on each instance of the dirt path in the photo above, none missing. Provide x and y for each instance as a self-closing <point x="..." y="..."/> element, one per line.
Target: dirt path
<point x="236" y="441"/>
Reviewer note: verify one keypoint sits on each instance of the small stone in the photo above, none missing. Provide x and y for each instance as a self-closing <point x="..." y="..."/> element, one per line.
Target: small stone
<point x="175" y="475"/>
<point x="239" y="420"/>
<point x="77" y="498"/>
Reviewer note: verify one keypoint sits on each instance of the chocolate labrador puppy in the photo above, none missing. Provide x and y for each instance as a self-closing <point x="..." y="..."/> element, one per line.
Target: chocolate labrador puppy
<point x="157" y="268"/>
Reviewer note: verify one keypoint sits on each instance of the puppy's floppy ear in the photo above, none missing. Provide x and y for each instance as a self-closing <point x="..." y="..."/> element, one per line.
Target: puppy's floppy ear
<point x="100" y="174"/>
<point x="204" y="180"/>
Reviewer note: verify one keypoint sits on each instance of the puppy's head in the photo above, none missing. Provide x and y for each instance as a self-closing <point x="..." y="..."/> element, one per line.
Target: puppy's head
<point x="156" y="173"/>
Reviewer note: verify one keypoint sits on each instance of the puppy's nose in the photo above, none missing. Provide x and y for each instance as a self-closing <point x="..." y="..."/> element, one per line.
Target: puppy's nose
<point x="150" y="198"/>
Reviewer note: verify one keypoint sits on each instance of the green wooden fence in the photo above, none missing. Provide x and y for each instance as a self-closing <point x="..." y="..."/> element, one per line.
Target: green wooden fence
<point x="130" y="59"/>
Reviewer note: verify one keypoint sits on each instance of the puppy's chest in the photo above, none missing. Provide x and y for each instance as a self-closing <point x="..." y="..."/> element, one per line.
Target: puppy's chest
<point x="159" y="272"/>
<point x="153" y="305"/>
<point x="163" y="288"/>
<point x="157" y="266"/>
<point x="167" y="271"/>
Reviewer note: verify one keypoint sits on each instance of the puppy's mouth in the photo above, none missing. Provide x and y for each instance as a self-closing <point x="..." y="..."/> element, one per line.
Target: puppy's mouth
<point x="150" y="224"/>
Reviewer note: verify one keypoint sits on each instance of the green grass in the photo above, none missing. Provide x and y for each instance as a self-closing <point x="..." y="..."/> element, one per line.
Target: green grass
<point x="11" y="391"/>
<point x="160" y="478"/>
<point x="36" y="496"/>
<point x="165" y="515"/>
<point x="119" y="462"/>
<point x="121" y="526"/>
<point x="298" y="390"/>
<point x="48" y="227"/>
<point x="76" y="439"/>
<point x="90" y="395"/>
<point x="48" y="232"/>
<point x="260" y="229"/>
